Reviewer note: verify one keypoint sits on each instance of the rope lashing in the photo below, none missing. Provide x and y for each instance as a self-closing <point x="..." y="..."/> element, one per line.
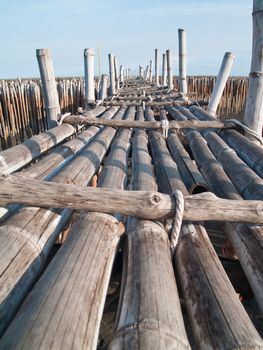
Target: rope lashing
<point x="178" y="219"/>
<point x="165" y="128"/>
<point x="62" y="117"/>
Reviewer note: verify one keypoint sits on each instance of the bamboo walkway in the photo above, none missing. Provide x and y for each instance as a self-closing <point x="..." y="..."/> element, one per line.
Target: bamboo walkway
<point x="165" y="299"/>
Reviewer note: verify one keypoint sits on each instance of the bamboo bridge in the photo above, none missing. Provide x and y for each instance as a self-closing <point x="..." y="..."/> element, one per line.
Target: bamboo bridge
<point x="132" y="189"/>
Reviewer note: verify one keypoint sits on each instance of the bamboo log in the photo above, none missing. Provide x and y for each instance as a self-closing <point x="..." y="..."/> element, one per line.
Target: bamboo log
<point x="248" y="184"/>
<point x="220" y="82"/>
<point x="150" y="104"/>
<point x="201" y="114"/>
<point x="18" y="156"/>
<point x="145" y="319"/>
<point x="47" y="74"/>
<point x="117" y="80"/>
<point x="246" y="149"/>
<point x="151" y="72"/>
<point x="217" y="317"/>
<point x="254" y="108"/>
<point x="112" y="75"/>
<point x="245" y="239"/>
<point x="164" y="71"/>
<point x="89" y="76"/>
<point x="156" y="67"/>
<point x="84" y="264"/>
<point x="169" y="70"/>
<point x="34" y="230"/>
<point x="103" y="87"/>
<point x="182" y="60"/>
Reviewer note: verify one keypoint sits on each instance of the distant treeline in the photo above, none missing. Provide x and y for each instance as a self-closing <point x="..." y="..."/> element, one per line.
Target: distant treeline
<point x="22" y="112"/>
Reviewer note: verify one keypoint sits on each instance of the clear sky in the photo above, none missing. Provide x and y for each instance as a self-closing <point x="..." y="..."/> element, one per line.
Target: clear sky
<point x="130" y="29"/>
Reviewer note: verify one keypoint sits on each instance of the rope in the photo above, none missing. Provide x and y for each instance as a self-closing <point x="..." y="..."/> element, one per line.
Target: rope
<point x="60" y="121"/>
<point x="245" y="128"/>
<point x="165" y="128"/>
<point x="178" y="219"/>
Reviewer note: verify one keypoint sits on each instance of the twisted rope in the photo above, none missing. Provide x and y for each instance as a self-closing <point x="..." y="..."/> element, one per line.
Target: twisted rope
<point x="178" y="219"/>
<point x="245" y="128"/>
<point x="165" y="128"/>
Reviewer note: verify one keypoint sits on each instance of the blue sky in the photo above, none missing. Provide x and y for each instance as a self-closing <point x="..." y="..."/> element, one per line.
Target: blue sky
<point x="130" y="29"/>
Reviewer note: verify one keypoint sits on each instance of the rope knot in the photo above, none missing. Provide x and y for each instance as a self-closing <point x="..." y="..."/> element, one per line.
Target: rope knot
<point x="178" y="219"/>
<point x="165" y="128"/>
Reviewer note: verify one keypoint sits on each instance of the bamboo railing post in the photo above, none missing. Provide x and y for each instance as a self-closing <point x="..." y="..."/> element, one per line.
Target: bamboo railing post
<point x="182" y="60"/>
<point x="220" y="82"/>
<point x="50" y="93"/>
<point x="156" y="67"/>
<point x="151" y="72"/>
<point x="89" y="77"/>
<point x="164" y="71"/>
<point x="254" y="106"/>
<point x="117" y="80"/>
<point x="140" y="71"/>
<point x="146" y="74"/>
<point x="103" y="87"/>
<point x="121" y="74"/>
<point x="112" y="75"/>
<point x="169" y="70"/>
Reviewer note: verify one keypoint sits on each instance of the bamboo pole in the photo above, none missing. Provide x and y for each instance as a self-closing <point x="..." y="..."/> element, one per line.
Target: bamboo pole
<point x="169" y="70"/>
<point x="89" y="76"/>
<point x="116" y="72"/>
<point x="182" y="60"/>
<point x="121" y="74"/>
<point x="254" y="107"/>
<point x="103" y="87"/>
<point x="112" y="75"/>
<point x="47" y="74"/>
<point x="164" y="71"/>
<point x="245" y="239"/>
<point x="156" y="67"/>
<point x="151" y="72"/>
<point x="220" y="82"/>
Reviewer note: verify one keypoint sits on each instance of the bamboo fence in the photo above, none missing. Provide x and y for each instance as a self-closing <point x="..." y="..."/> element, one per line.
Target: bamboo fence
<point x="22" y="111"/>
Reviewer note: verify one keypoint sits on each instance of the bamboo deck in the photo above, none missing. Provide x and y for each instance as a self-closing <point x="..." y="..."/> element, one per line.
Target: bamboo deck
<point x="156" y="300"/>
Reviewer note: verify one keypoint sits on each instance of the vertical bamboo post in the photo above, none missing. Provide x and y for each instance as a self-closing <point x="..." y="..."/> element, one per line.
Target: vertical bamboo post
<point x="117" y="81"/>
<point x="103" y="87"/>
<point x="50" y="93"/>
<point x="146" y="73"/>
<point x="220" y="82"/>
<point x="151" y="72"/>
<point x="164" y="71"/>
<point x="140" y="71"/>
<point x="169" y="70"/>
<point x="156" y="67"/>
<point x="254" y="106"/>
<point x="89" y="76"/>
<point x="112" y="74"/>
<point x="182" y="60"/>
<point x="121" y="74"/>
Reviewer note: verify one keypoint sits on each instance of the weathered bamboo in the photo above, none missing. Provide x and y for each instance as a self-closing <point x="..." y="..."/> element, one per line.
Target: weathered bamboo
<point x="89" y="76"/>
<point x="116" y="73"/>
<point x="47" y="74"/>
<point x="220" y="82"/>
<point x="164" y="71"/>
<point x="182" y="60"/>
<point x="193" y="180"/>
<point x="34" y="230"/>
<point x="254" y="107"/>
<point x="246" y="149"/>
<point x="169" y="70"/>
<point x="151" y="104"/>
<point x="248" y="184"/>
<point x="84" y="264"/>
<point x="156" y="67"/>
<point x="217" y="317"/>
<point x="112" y="75"/>
<point x="18" y="156"/>
<point x="103" y="87"/>
<point x="145" y="319"/>
<point x="245" y="239"/>
<point x="151" y="72"/>
<point x="121" y="74"/>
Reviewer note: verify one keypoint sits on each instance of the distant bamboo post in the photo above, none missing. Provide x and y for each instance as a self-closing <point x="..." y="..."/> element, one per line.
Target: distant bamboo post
<point x="169" y="70"/>
<point x="112" y="75"/>
<point x="140" y="71"/>
<point x="117" y="81"/>
<point x="121" y="74"/>
<point x="156" y="67"/>
<point x="220" y="82"/>
<point x="151" y="72"/>
<point x="254" y="106"/>
<point x="182" y="60"/>
<point x="103" y="87"/>
<point x="146" y="73"/>
<point x="89" y="76"/>
<point x="50" y="92"/>
<point x="164" y="71"/>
